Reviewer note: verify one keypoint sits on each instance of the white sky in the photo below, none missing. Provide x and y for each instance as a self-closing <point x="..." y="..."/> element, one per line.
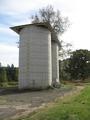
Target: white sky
<point x="16" y="12"/>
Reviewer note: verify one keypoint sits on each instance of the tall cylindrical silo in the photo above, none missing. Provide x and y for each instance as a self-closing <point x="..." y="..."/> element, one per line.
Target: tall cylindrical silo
<point x="35" y="62"/>
<point x="55" y="63"/>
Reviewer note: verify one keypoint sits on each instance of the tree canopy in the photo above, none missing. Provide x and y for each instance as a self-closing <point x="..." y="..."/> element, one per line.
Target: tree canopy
<point x="54" y="18"/>
<point x="79" y="64"/>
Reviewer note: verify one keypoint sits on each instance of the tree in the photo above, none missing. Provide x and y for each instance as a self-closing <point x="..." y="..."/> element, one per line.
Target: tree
<point x="16" y="74"/>
<point x="58" y="23"/>
<point x="12" y="73"/>
<point x="8" y="75"/>
<point x="62" y="69"/>
<point x="79" y="64"/>
<point x="54" y="18"/>
<point x="65" y="51"/>
<point x="3" y="77"/>
<point x="8" y="70"/>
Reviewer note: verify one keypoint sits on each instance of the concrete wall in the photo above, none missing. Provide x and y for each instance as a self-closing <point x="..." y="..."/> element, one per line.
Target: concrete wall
<point x="35" y="61"/>
<point x="55" y="63"/>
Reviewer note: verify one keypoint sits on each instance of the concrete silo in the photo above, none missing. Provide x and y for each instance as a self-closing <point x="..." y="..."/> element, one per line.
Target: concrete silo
<point x="38" y="56"/>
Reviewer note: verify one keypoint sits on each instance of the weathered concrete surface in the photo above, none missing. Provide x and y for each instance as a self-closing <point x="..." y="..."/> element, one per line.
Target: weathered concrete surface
<point x="35" y="62"/>
<point x="55" y="63"/>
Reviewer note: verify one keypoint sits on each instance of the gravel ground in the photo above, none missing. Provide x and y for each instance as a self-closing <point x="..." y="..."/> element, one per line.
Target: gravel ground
<point x="14" y="102"/>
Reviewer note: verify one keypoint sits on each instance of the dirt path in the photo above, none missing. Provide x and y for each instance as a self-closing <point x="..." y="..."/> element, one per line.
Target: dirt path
<point x="17" y="103"/>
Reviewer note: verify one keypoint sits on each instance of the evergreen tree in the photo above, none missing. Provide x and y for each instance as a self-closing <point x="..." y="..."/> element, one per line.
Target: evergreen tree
<point x="8" y="71"/>
<point x="4" y="75"/>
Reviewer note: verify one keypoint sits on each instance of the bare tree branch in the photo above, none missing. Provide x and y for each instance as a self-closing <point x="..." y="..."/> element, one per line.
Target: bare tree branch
<point x="54" y="18"/>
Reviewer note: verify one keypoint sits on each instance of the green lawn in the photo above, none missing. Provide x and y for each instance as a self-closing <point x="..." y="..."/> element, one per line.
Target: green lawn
<point x="76" y="107"/>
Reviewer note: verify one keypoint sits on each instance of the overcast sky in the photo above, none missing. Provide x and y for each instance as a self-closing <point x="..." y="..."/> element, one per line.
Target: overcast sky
<point x="17" y="12"/>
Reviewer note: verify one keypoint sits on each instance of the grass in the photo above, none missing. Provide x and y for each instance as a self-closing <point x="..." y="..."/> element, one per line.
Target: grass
<point x="76" y="107"/>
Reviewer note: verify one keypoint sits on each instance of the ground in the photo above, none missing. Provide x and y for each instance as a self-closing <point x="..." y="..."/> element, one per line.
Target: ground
<point x="15" y="103"/>
<point x="74" y="106"/>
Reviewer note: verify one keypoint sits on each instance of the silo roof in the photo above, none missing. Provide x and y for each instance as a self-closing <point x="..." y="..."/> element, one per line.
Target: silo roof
<point x="54" y="37"/>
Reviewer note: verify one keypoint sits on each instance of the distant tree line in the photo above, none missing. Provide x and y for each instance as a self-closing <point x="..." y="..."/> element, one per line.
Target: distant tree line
<point x="8" y="75"/>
